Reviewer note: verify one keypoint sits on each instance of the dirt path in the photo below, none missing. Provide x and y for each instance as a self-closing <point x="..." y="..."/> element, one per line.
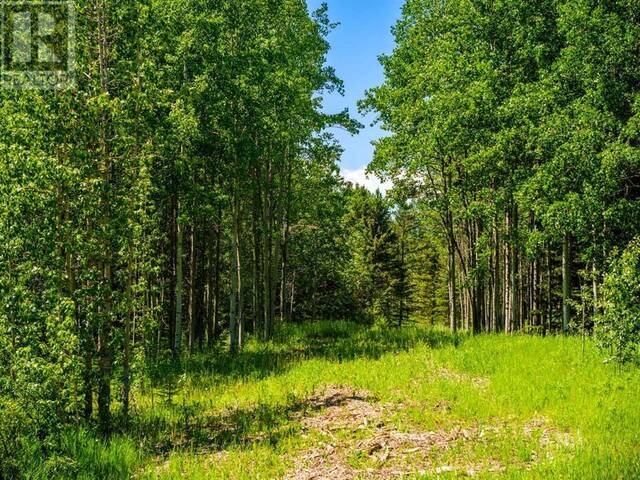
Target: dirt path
<point x="356" y="440"/>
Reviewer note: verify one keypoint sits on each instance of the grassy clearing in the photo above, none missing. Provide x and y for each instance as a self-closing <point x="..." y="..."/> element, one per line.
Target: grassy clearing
<point x="421" y="401"/>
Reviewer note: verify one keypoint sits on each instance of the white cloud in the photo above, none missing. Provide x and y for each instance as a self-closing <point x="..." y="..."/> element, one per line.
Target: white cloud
<point x="370" y="182"/>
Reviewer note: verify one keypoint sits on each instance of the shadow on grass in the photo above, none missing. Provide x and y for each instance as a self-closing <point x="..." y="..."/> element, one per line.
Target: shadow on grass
<point x="193" y="427"/>
<point x="196" y="431"/>
<point x="333" y="341"/>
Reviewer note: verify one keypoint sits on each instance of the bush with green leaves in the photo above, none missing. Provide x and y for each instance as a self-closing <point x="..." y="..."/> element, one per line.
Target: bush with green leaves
<point x="618" y="326"/>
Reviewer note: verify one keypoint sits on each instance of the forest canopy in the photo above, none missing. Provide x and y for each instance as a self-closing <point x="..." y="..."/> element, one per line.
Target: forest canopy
<point x="516" y="125"/>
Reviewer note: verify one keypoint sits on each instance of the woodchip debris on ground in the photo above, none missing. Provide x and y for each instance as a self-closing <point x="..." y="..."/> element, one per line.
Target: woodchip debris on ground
<point x="353" y="424"/>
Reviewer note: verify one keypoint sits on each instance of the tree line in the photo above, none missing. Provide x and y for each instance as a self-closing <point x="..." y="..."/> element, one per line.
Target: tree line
<point x="515" y="124"/>
<point x="177" y="191"/>
<point x="183" y="195"/>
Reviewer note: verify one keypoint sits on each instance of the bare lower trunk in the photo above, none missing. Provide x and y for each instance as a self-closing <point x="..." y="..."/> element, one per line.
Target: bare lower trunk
<point x="451" y="275"/>
<point x="235" y="326"/>
<point x="258" y="263"/>
<point x="594" y="287"/>
<point x="193" y="265"/>
<point x="269" y="306"/>
<point x="498" y="307"/>
<point x="284" y="248"/>
<point x="566" y="284"/>
<point x="212" y="280"/>
<point x="513" y="275"/>
<point x="549" y="293"/>
<point x="177" y="341"/>
<point x="292" y="298"/>
<point x="216" y="285"/>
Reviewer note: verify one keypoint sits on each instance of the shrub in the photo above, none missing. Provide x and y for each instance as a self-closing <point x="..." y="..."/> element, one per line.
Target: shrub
<point x="618" y="326"/>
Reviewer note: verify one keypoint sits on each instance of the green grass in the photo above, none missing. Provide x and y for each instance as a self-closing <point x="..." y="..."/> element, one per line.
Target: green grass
<point x="240" y="418"/>
<point x="83" y="457"/>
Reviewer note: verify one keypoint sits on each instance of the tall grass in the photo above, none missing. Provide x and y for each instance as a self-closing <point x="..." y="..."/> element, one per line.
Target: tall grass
<point x="80" y="455"/>
<point x="217" y="416"/>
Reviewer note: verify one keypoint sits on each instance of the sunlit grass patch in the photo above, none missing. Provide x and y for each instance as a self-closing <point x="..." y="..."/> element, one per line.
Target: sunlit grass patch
<point x="365" y="403"/>
<point x="495" y="385"/>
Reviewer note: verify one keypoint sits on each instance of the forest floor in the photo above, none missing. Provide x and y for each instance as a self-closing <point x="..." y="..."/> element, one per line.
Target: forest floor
<point x="331" y="400"/>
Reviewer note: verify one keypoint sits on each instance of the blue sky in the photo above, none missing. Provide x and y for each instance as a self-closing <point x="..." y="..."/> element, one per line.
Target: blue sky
<point x="363" y="34"/>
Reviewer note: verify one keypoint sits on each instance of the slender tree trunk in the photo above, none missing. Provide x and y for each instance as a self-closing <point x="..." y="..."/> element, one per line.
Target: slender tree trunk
<point x="213" y="260"/>
<point x="193" y="265"/>
<point x="284" y="248"/>
<point x="566" y="283"/>
<point x="255" y="310"/>
<point x="498" y="308"/>
<point x="268" y="257"/>
<point x="292" y="298"/>
<point x="506" y="278"/>
<point x="200" y="305"/>
<point x="233" y="310"/>
<point x="172" y="273"/>
<point x="216" y="286"/>
<point x="451" y="270"/>
<point x="283" y="277"/>
<point x="236" y="281"/>
<point x="177" y="341"/>
<point x="258" y="260"/>
<point x="474" y="289"/>
<point x="549" y="292"/>
<point x="210" y="258"/>
<point x="594" y="288"/>
<point x="402" y="277"/>
<point x="514" y="262"/>
<point x="538" y="292"/>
